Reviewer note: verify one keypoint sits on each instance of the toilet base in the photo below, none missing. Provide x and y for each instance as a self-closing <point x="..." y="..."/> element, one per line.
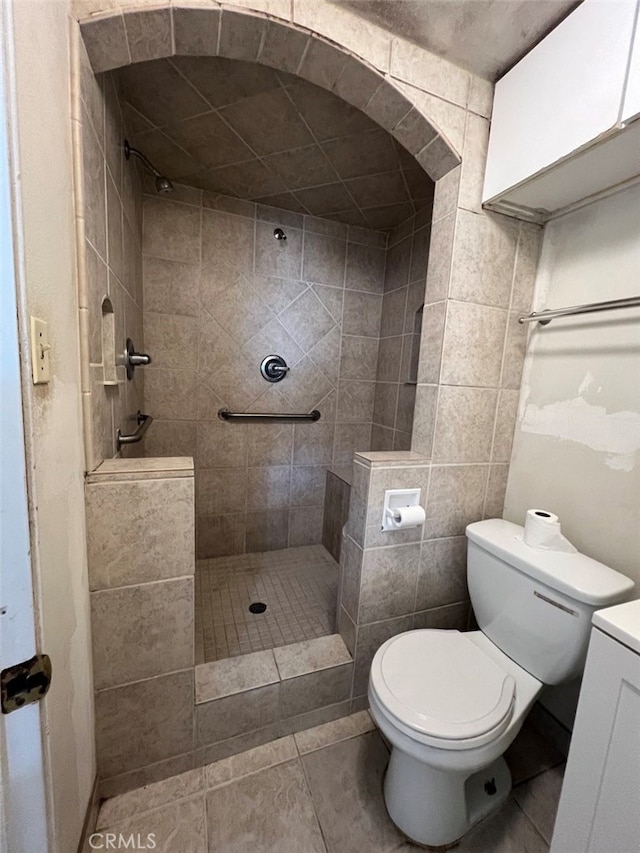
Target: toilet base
<point x="435" y="808"/>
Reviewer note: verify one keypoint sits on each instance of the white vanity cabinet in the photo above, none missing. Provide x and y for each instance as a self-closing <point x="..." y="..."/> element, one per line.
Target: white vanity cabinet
<point x="562" y="125"/>
<point x="599" y="808"/>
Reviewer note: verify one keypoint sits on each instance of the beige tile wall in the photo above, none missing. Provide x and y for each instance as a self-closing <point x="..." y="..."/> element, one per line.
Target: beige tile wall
<point x="109" y="230"/>
<point x="157" y="726"/>
<point x="472" y="347"/>
<point x="398" y="580"/>
<point x="140" y="537"/>
<point x="221" y="293"/>
<point x="480" y="276"/>
<point x="336" y="508"/>
<point x="400" y="332"/>
<point x="155" y="714"/>
<point x="469" y="369"/>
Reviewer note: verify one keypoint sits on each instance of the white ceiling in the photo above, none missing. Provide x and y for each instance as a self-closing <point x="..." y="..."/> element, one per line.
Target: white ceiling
<point x="485" y="36"/>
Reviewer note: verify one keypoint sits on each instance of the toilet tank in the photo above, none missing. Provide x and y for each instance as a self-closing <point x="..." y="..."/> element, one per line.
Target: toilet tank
<point x="536" y="605"/>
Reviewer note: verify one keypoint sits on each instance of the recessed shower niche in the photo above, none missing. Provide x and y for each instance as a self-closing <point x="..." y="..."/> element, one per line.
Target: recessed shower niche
<point x="297" y="227"/>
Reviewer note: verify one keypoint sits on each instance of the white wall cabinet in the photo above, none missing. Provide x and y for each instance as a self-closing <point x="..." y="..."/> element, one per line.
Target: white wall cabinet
<point x="599" y="810"/>
<point x="557" y="111"/>
<point x="631" y="105"/>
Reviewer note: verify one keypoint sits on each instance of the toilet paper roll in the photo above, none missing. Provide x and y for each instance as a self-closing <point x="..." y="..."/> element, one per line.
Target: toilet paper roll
<point x="408" y="516"/>
<point x="542" y="530"/>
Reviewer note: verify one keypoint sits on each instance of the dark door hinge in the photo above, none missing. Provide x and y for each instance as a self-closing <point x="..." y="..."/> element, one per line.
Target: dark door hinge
<point x="24" y="683"/>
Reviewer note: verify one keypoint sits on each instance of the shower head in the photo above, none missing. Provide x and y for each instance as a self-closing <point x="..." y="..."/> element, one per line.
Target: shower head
<point x="163" y="184"/>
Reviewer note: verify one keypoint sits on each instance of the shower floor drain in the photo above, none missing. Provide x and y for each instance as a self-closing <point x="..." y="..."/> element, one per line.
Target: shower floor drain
<point x="257" y="607"/>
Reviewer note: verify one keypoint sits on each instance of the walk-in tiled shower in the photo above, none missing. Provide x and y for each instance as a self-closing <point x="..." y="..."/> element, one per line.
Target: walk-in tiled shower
<point x="300" y="226"/>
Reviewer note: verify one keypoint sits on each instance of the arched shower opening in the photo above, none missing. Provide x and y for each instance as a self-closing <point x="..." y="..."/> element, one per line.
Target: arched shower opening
<point x="210" y="289"/>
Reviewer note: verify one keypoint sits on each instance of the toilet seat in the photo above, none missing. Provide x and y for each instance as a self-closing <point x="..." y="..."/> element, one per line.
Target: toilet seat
<point x="442" y="689"/>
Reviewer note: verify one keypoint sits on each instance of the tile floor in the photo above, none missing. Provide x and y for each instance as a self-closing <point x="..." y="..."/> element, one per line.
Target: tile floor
<point x="320" y="791"/>
<point x="298" y="585"/>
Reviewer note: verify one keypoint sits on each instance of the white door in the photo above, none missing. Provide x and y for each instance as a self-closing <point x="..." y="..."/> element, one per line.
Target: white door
<point x="22" y="790"/>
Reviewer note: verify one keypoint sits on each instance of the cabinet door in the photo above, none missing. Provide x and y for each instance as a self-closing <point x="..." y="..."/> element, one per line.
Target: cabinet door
<point x="599" y="809"/>
<point x="564" y="93"/>
<point x="631" y="105"/>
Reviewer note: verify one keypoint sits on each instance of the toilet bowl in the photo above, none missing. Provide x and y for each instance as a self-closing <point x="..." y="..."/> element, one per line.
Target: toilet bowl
<point x="447" y="725"/>
<point x="450" y="703"/>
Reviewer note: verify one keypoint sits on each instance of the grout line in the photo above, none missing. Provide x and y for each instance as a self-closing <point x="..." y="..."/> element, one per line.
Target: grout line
<point x="141" y="583"/>
<point x="304" y="52"/>
<point x="263" y="38"/>
<point x="219" y="33"/>
<point x="188" y="669"/>
<point x="172" y="32"/>
<point x="313" y="802"/>
<point x="502" y="368"/>
<point x="204" y="787"/>
<point x="529" y="820"/>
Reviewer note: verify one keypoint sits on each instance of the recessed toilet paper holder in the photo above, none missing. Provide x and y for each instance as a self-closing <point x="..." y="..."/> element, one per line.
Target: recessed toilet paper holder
<point x="394" y="501"/>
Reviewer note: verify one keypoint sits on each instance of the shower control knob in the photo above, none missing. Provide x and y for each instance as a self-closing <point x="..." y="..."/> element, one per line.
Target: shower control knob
<point x="274" y="368"/>
<point x="133" y="359"/>
<point x="139" y="358"/>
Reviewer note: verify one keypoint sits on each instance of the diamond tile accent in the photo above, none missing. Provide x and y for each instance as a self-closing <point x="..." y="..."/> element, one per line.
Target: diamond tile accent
<point x="274" y="338"/>
<point x="332" y="298"/>
<point x="245" y="130"/>
<point x="209" y="140"/>
<point x="269" y="122"/>
<point x="239" y="310"/>
<point x="326" y="355"/>
<point x="221" y="361"/>
<point x="307" y="386"/>
<point x="279" y="292"/>
<point x="307" y="320"/>
<point x="251" y="476"/>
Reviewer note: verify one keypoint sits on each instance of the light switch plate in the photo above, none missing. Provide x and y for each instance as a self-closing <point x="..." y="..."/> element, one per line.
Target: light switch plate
<point x="40" y="348"/>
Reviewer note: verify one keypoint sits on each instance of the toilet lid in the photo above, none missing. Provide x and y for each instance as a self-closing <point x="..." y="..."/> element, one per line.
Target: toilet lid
<point x="441" y="684"/>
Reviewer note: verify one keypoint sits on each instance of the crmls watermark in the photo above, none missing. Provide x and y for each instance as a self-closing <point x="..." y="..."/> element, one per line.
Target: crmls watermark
<point x="122" y="841"/>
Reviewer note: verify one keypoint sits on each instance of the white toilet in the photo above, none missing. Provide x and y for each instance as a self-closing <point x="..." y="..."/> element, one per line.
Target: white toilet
<point x="451" y="703"/>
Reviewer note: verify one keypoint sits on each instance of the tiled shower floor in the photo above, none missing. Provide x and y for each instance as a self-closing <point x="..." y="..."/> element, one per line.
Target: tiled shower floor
<point x="298" y="585"/>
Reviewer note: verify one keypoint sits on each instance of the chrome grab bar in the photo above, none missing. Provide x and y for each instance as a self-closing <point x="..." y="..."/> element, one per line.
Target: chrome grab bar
<point x="144" y="422"/>
<point x="545" y="317"/>
<point x="226" y="415"/>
